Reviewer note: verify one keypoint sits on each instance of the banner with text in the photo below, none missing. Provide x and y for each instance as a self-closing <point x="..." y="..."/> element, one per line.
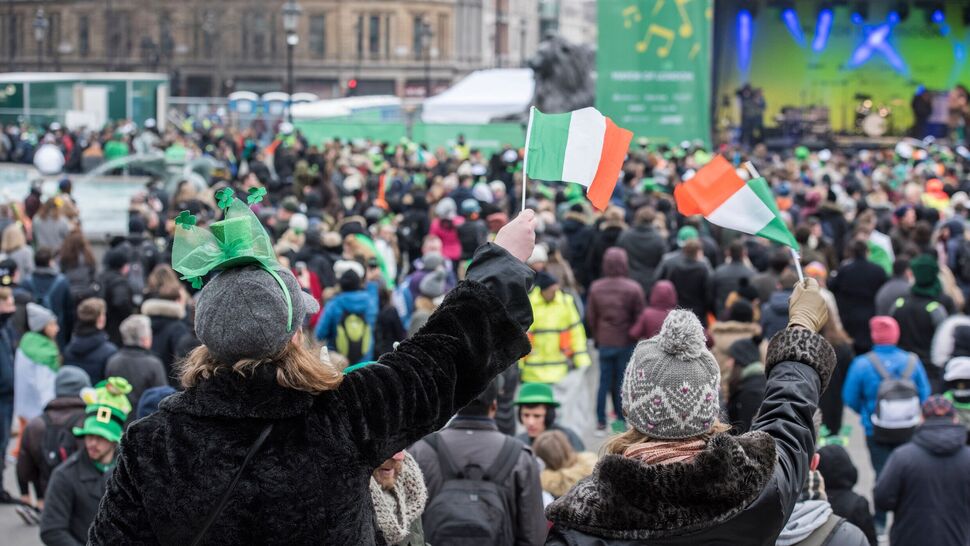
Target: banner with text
<point x="654" y="67"/>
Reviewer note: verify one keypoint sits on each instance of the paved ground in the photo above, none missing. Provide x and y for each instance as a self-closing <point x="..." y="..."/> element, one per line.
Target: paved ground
<point x="13" y="532"/>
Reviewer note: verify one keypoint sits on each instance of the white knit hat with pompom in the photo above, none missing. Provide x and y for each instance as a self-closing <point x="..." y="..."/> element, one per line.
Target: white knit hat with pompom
<point x="671" y="383"/>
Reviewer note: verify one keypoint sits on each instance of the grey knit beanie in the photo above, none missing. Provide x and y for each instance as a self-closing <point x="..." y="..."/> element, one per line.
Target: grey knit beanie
<point x="670" y="385"/>
<point x="70" y="380"/>
<point x="38" y="316"/>
<point x="242" y="313"/>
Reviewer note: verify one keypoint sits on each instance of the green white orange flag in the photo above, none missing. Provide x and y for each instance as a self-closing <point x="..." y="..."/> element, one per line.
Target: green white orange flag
<point x="726" y="200"/>
<point x="584" y="147"/>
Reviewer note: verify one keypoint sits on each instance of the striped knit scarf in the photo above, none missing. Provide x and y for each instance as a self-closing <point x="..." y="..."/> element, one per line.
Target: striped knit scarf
<point x="654" y="452"/>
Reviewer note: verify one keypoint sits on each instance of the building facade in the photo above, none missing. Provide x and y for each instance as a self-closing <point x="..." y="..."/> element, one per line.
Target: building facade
<point x="212" y="48"/>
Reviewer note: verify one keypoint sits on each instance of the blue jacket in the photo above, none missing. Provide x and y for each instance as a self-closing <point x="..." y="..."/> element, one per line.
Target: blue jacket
<point x="364" y="302"/>
<point x="862" y="383"/>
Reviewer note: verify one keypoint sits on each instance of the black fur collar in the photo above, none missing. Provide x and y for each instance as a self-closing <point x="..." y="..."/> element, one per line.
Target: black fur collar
<point x="229" y="394"/>
<point x="627" y="499"/>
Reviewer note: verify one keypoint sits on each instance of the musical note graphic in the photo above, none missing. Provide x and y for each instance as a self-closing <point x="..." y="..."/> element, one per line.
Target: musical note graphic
<point x="686" y="28"/>
<point x="631" y="14"/>
<point x="657" y="30"/>
<point x="658" y="6"/>
<point x="694" y="51"/>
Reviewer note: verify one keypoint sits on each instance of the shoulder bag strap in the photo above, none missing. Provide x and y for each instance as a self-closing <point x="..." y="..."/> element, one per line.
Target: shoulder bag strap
<point x="877" y="364"/>
<point x="214" y="515"/>
<point x="910" y="366"/>
<point x="504" y="462"/>
<point x="445" y="461"/>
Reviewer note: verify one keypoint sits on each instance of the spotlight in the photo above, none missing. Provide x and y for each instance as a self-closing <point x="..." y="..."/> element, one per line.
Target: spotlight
<point x="823" y="27"/>
<point x="937" y="16"/>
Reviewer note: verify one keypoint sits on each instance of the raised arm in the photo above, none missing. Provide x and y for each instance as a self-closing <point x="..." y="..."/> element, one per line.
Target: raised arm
<point x="799" y="365"/>
<point x="477" y="332"/>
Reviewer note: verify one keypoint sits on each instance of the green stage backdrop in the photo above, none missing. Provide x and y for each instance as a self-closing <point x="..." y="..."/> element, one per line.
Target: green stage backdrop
<point x="933" y="55"/>
<point x="486" y="137"/>
<point x="653" y="67"/>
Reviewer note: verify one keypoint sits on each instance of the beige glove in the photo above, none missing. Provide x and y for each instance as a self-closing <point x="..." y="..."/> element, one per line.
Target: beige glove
<point x="807" y="308"/>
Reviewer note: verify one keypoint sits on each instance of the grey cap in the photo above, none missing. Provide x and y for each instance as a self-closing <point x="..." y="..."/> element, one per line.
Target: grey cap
<point x="670" y="385"/>
<point x="70" y="380"/>
<point x="434" y="284"/>
<point x="38" y="316"/>
<point x="242" y="313"/>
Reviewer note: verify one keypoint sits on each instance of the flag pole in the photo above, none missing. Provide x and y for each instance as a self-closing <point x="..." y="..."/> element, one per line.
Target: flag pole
<point x="794" y="253"/>
<point x="525" y="157"/>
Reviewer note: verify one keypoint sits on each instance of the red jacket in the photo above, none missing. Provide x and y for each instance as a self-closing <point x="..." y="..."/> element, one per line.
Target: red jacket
<point x="614" y="303"/>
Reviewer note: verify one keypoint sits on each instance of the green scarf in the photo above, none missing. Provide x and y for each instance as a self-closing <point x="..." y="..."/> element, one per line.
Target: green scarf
<point x="102" y="468"/>
<point x="41" y="349"/>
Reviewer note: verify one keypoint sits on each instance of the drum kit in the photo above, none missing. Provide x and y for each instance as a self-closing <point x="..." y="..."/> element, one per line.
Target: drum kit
<point x="874" y="120"/>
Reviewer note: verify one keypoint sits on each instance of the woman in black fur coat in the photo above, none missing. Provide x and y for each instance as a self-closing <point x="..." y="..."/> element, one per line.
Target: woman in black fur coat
<point x="677" y="477"/>
<point x="308" y="483"/>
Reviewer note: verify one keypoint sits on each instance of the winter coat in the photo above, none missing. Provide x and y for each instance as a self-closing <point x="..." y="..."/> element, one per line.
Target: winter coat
<point x="472" y="234"/>
<point x="24" y="257"/>
<point x="574" y="440"/>
<point x="774" y="313"/>
<point x="663" y="298"/>
<point x="918" y="318"/>
<point x="614" y="302"/>
<point x="765" y="283"/>
<point x="557" y="337"/>
<point x="72" y="500"/>
<point x="855" y="285"/>
<point x="90" y="350"/>
<point x="886" y="297"/>
<point x="388" y="331"/>
<point x="740" y="490"/>
<point x="450" y="244"/>
<point x="645" y="248"/>
<point x="33" y="384"/>
<point x="140" y="367"/>
<point x="941" y="348"/>
<point x="117" y="295"/>
<point x="727" y="279"/>
<point x="692" y="279"/>
<point x="6" y="360"/>
<point x="363" y="302"/>
<point x="862" y="384"/>
<point x="745" y="398"/>
<point x="724" y="335"/>
<point x="31" y="465"/>
<point x="602" y="239"/>
<point x="579" y="239"/>
<point x="476" y="440"/>
<point x="168" y="329"/>
<point x="840" y="477"/>
<point x="558" y="482"/>
<point x="925" y="483"/>
<point x="174" y="464"/>
<point x="47" y="282"/>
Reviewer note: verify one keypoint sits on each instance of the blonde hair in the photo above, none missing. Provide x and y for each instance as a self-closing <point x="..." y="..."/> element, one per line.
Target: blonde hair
<point x="554" y="449"/>
<point x="13" y="238"/>
<point x="297" y="367"/>
<point x="619" y="443"/>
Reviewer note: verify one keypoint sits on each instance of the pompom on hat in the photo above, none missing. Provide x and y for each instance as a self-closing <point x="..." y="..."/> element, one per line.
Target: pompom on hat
<point x="671" y="383"/>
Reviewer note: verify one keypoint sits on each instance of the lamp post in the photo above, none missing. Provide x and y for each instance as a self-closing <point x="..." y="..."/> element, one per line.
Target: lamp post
<point x="291" y="19"/>
<point x="426" y="36"/>
<point x="40" y="32"/>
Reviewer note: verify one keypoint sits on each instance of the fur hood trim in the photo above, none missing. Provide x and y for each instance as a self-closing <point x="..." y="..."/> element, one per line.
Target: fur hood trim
<point x="628" y="499"/>
<point x="156" y="307"/>
<point x="558" y="482"/>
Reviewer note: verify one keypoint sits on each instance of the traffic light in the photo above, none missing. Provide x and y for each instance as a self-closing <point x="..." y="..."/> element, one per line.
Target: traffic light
<point x="351" y="86"/>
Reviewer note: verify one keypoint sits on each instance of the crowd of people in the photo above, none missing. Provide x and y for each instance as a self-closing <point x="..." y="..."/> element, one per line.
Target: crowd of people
<point x="416" y="271"/>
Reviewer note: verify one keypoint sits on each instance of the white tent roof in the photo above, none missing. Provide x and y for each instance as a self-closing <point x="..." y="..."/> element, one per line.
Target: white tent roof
<point x="342" y="107"/>
<point x="482" y="96"/>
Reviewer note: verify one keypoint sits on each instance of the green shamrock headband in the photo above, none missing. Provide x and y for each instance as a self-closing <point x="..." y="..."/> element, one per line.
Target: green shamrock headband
<point x="236" y="240"/>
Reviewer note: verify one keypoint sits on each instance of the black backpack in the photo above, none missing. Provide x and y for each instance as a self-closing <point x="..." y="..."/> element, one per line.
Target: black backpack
<point x="963" y="261"/>
<point x="58" y="443"/>
<point x="473" y="508"/>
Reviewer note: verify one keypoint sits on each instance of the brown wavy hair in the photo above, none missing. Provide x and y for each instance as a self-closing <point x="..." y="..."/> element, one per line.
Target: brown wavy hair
<point x="297" y="367"/>
<point x="619" y="443"/>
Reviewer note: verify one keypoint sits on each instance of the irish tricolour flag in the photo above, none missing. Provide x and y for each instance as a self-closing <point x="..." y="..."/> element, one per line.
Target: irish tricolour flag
<point x="583" y="146"/>
<point x="726" y="200"/>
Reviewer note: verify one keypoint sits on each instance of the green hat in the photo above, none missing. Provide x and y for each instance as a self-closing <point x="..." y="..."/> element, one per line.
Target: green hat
<point x="926" y="280"/>
<point x="104" y="421"/>
<point x="535" y="393"/>
<point x="687" y="233"/>
<point x="801" y="152"/>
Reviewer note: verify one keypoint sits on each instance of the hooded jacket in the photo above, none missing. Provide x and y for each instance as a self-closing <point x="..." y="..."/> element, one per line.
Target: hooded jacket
<point x="663" y="299"/>
<point x="168" y="328"/>
<point x="693" y="281"/>
<point x="741" y="490"/>
<point x="308" y="484"/>
<point x="862" y="383"/>
<point x="614" y="302"/>
<point x="840" y="477"/>
<point x="558" y="482"/>
<point x="90" y="350"/>
<point x="363" y="302"/>
<point x="925" y="484"/>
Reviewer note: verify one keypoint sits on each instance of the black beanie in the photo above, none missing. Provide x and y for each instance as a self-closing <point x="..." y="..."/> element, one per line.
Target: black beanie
<point x="741" y="311"/>
<point x="744" y="352"/>
<point x="349" y="281"/>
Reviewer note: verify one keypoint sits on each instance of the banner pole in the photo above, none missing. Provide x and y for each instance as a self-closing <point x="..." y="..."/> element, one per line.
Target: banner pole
<point x="794" y="253"/>
<point x="525" y="157"/>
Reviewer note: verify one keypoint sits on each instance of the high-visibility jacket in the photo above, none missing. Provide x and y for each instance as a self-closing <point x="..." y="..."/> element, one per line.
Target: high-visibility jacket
<point x="557" y="336"/>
